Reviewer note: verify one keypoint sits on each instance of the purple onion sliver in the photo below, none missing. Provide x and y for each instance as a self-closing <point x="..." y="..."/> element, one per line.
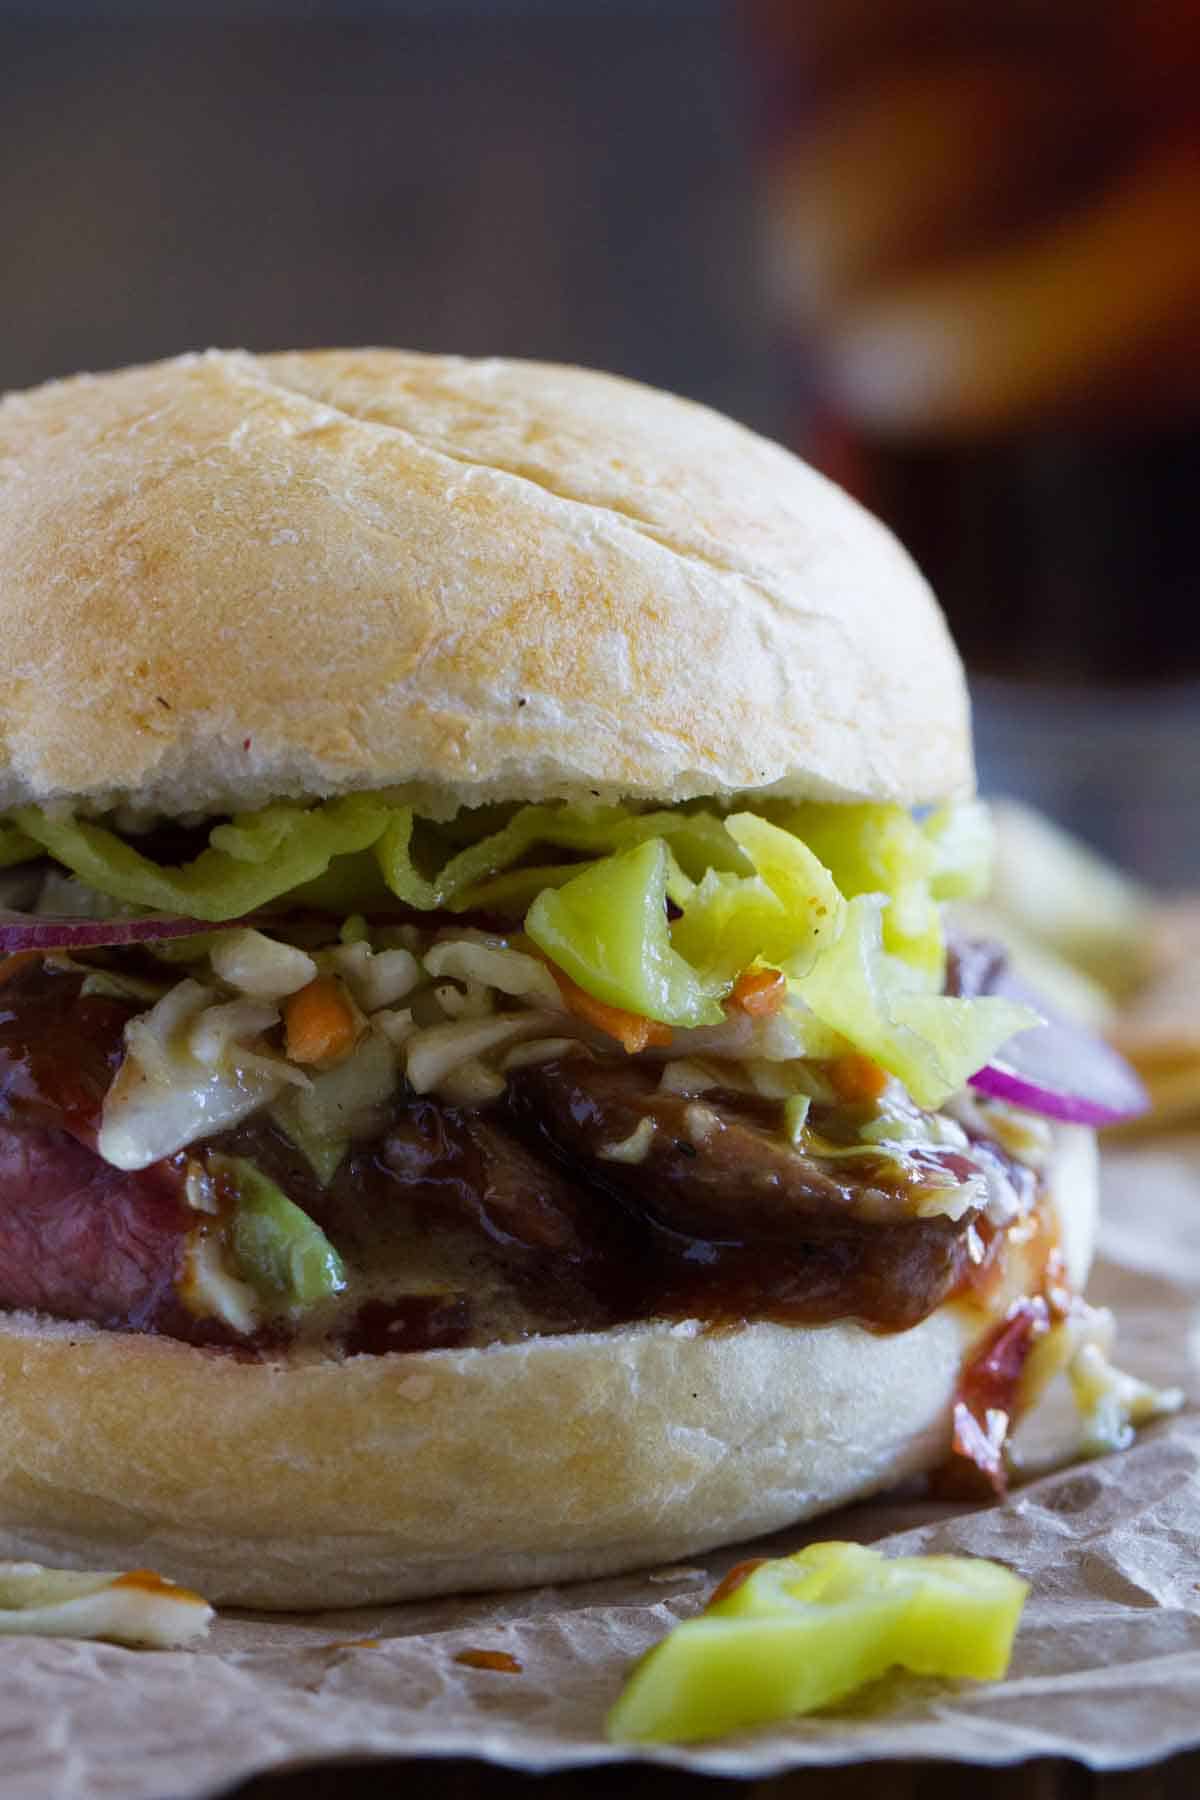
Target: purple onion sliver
<point x="1059" y="1068"/>
<point x="28" y="931"/>
<point x="1063" y="1071"/>
<point x="1071" y="1109"/>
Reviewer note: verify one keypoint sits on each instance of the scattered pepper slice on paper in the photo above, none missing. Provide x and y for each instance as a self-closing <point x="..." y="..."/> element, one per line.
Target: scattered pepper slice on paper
<point x="785" y="1637"/>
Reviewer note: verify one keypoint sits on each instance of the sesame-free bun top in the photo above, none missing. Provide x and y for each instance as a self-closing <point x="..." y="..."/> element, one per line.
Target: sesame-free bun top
<point x="231" y="578"/>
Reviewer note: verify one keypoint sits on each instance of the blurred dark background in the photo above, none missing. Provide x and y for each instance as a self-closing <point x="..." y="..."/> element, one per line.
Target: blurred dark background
<point x="950" y="253"/>
<point x="561" y="180"/>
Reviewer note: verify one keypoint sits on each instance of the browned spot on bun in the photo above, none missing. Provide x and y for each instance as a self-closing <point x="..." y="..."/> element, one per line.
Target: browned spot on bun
<point x="230" y="578"/>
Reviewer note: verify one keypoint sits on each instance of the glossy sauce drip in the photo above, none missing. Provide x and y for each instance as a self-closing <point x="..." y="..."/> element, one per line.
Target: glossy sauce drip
<point x="499" y="1662"/>
<point x="59" y="1050"/>
<point x="987" y="1403"/>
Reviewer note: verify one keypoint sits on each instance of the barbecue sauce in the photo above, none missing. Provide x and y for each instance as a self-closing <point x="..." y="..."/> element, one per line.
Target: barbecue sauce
<point x="987" y="1402"/>
<point x="59" y="1050"/>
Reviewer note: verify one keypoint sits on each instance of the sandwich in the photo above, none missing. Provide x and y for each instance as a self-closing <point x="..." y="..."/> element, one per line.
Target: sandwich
<point x="488" y="1094"/>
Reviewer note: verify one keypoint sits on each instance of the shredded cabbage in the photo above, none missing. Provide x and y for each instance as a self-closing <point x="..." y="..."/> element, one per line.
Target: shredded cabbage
<point x="128" y="1608"/>
<point x="339" y="1105"/>
<point x="163" y="1098"/>
<point x="376" y="977"/>
<point x="1112" y="1404"/>
<point x="795" y="1117"/>
<point x="493" y="963"/>
<point x="438" y="1052"/>
<point x="260" y="965"/>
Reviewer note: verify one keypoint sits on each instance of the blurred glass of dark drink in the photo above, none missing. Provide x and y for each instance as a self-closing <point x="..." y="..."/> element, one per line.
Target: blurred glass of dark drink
<point x="982" y="232"/>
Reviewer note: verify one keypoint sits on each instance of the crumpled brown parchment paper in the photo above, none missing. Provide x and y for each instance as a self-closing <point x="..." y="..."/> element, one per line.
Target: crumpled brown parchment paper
<point x="1106" y="1668"/>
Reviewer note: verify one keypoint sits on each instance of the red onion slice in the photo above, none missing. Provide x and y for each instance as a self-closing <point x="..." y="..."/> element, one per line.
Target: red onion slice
<point x="57" y="931"/>
<point x="1060" y="1070"/>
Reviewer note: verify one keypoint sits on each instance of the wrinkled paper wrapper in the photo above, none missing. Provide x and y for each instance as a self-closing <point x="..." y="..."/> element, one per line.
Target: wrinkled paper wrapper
<point x="1106" y="1667"/>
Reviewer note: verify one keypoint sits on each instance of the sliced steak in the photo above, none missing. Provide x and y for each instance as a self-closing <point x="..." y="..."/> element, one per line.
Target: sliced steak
<point x="740" y="1225"/>
<point x="716" y="1167"/>
<point x="449" y="1159"/>
<point x="81" y="1240"/>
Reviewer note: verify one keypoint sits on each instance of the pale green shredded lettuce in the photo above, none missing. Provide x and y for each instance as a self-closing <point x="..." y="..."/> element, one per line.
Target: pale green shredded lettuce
<point x="512" y="894"/>
<point x="882" y="850"/>
<point x="249" y="863"/>
<point x="16" y="846"/>
<point x="351" y="854"/>
<point x="279" y="1250"/>
<point x="351" y="884"/>
<point x="930" y="1041"/>
<point x="787" y="909"/>
<point x="843" y="899"/>
<point x="698" y="841"/>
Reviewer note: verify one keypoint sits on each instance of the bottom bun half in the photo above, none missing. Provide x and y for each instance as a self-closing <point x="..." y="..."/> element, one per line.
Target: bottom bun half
<point x="314" y="1484"/>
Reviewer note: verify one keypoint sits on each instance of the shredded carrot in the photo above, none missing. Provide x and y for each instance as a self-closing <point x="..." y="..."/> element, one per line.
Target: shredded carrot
<point x="631" y="1030"/>
<point x="856" y="1077"/>
<point x="9" y="965"/>
<point x="145" y="1581"/>
<point x="759" y="992"/>
<point x="319" y="1023"/>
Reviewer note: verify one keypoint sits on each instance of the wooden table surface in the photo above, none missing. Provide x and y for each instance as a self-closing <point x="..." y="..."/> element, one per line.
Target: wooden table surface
<point x="462" y="1780"/>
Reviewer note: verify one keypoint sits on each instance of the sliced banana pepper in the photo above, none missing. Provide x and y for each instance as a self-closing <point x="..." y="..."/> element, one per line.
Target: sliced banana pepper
<point x="785" y="1637"/>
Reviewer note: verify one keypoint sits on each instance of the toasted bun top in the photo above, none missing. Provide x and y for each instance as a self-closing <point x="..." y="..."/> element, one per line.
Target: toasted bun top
<point x="228" y="578"/>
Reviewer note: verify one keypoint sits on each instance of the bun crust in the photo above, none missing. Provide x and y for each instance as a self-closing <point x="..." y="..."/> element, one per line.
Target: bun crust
<point x="333" y="1484"/>
<point x="228" y="579"/>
